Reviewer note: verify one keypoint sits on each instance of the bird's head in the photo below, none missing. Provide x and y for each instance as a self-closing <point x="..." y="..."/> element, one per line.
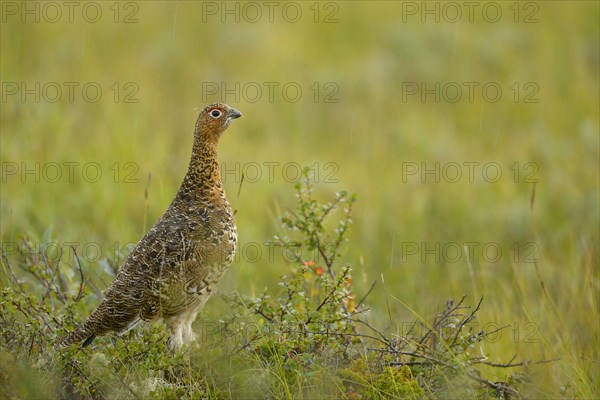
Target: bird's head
<point x="214" y="119"/>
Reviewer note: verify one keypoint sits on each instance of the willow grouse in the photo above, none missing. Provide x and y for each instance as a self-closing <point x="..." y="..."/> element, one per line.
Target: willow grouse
<point x="173" y="269"/>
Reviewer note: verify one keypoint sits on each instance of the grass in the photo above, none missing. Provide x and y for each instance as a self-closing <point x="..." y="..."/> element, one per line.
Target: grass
<point x="313" y="338"/>
<point x="370" y="135"/>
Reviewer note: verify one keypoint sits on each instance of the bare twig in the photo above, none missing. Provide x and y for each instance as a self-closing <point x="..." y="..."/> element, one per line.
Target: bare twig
<point x="510" y="364"/>
<point x="81" y="281"/>
<point x="464" y="321"/>
<point x="367" y="294"/>
<point x="17" y="281"/>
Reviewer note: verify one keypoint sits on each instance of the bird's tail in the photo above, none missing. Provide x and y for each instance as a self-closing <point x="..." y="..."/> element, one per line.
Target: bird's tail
<point x="85" y="330"/>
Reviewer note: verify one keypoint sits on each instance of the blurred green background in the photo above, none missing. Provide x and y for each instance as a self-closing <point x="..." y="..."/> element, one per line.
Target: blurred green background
<point x="378" y="99"/>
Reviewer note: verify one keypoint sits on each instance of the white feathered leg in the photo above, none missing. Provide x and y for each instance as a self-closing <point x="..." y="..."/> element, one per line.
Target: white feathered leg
<point x="176" y="327"/>
<point x="188" y="334"/>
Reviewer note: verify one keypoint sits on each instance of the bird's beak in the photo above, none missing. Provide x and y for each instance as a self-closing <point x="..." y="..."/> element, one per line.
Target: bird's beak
<point x="233" y="114"/>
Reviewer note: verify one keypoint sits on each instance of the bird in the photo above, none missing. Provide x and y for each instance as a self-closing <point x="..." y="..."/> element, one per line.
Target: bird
<point x="172" y="271"/>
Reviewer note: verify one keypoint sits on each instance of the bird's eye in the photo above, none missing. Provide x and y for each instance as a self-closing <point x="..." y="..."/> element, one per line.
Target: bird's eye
<point x="215" y="113"/>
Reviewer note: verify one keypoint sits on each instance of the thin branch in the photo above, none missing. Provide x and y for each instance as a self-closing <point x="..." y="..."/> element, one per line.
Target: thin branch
<point x="12" y="273"/>
<point x="259" y="311"/>
<point x="465" y="321"/>
<point x="359" y="335"/>
<point x="348" y="211"/>
<point x="501" y="387"/>
<point x="80" y="291"/>
<point x="383" y="339"/>
<point x="52" y="275"/>
<point x="521" y="364"/>
<point x="323" y="302"/>
<point x="328" y="263"/>
<point x="367" y="294"/>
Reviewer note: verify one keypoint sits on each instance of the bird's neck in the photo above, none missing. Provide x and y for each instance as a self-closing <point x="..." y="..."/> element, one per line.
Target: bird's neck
<point x="203" y="178"/>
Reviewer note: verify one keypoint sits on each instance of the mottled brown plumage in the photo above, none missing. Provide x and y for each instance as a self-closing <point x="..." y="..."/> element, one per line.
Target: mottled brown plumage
<point x="173" y="269"/>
